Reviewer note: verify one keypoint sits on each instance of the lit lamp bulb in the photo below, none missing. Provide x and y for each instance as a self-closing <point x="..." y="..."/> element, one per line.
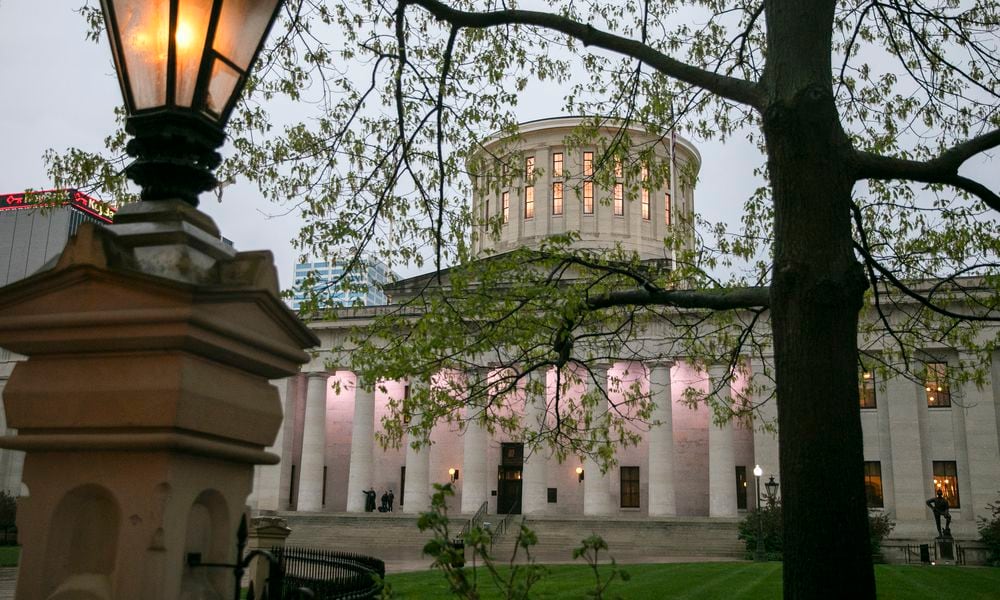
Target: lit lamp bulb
<point x="757" y="471"/>
<point x="579" y="473"/>
<point x="184" y="37"/>
<point x="182" y="65"/>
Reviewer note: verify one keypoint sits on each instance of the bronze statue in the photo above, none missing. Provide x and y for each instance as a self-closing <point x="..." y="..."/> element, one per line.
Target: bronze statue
<point x="940" y="507"/>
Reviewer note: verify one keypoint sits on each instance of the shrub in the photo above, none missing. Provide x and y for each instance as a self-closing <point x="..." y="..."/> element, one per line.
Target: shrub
<point x="770" y="516"/>
<point x="880" y="525"/>
<point x="989" y="534"/>
<point x="8" y="510"/>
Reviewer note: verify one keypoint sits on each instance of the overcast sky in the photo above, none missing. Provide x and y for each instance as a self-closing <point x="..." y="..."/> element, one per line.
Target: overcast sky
<point x="59" y="91"/>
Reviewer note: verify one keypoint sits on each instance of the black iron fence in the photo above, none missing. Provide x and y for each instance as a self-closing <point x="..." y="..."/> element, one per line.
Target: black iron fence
<point x="327" y="574"/>
<point x="928" y="553"/>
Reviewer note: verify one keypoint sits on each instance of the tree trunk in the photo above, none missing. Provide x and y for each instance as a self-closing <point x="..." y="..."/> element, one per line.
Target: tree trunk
<point x="816" y="294"/>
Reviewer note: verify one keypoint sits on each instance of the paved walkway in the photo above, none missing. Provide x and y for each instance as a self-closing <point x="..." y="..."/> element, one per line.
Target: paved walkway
<point x="8" y="577"/>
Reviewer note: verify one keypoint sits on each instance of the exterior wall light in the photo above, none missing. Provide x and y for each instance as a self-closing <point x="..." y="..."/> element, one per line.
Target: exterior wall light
<point x="579" y="474"/>
<point x="181" y="65"/>
<point x="453" y="472"/>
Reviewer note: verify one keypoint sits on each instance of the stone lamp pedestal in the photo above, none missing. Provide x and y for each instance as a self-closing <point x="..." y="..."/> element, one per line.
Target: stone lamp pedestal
<point x="144" y="404"/>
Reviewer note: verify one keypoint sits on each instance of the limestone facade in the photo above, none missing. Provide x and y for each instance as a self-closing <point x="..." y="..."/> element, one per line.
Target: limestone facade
<point x="687" y="466"/>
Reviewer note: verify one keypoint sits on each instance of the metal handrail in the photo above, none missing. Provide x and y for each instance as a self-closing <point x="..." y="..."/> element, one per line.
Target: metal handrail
<point x="502" y="526"/>
<point x="475" y="521"/>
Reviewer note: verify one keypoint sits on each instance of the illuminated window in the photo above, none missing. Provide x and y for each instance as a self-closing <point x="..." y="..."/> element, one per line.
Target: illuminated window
<point x="666" y="208"/>
<point x="630" y="487"/>
<point x="946" y="480"/>
<point x="619" y="199"/>
<point x="557" y="164"/>
<point x="588" y="197"/>
<point x="529" y="168"/>
<point x="588" y="164"/>
<point x="936" y="385"/>
<point x="644" y="194"/>
<point x="618" y="167"/>
<point x="557" y="198"/>
<point x="873" y="484"/>
<point x="529" y="202"/>
<point x="866" y="389"/>
<point x="505" y="206"/>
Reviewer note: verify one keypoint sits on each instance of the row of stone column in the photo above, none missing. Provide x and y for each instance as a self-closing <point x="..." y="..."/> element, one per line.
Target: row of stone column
<point x="597" y="498"/>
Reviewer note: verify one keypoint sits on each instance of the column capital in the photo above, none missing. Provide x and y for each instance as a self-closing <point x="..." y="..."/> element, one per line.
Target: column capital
<point x="757" y="363"/>
<point x="717" y="371"/>
<point x="317" y="374"/>
<point x="667" y="363"/>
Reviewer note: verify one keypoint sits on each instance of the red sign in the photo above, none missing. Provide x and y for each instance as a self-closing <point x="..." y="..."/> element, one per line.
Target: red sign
<point x="100" y="210"/>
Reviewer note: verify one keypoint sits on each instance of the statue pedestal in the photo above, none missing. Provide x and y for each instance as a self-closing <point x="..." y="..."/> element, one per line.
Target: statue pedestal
<point x="143" y="406"/>
<point x="945" y="550"/>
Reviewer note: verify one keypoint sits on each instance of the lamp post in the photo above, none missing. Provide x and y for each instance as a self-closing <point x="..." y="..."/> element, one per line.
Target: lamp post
<point x="759" y="553"/>
<point x="145" y="400"/>
<point x="181" y="66"/>
<point x="772" y="490"/>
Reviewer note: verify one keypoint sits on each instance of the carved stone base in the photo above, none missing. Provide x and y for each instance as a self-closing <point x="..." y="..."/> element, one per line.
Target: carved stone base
<point x="142" y="408"/>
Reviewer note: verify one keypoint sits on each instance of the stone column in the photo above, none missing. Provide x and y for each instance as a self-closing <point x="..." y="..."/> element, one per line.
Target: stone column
<point x="662" y="499"/>
<point x="475" y="480"/>
<point x="362" y="446"/>
<point x="268" y="481"/>
<point x="417" y="495"/>
<point x="310" y="496"/>
<point x="765" y="443"/>
<point x="906" y="401"/>
<point x="721" y="461"/>
<point x="596" y="485"/>
<point x="982" y="440"/>
<point x="535" y="471"/>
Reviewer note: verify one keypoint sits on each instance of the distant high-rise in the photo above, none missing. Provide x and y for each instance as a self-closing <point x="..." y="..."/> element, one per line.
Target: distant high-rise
<point x="34" y="229"/>
<point x="363" y="285"/>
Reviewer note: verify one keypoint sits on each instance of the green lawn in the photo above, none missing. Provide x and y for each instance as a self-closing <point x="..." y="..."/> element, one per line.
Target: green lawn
<point x="729" y="581"/>
<point x="9" y="555"/>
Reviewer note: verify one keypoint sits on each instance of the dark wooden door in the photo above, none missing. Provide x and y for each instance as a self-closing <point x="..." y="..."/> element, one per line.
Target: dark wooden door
<point x="509" y="490"/>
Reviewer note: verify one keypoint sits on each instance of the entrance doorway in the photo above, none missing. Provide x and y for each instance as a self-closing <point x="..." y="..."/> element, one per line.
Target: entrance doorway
<point x="509" y="479"/>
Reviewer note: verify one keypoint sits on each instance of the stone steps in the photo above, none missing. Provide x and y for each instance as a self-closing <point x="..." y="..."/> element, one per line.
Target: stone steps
<point x="396" y="536"/>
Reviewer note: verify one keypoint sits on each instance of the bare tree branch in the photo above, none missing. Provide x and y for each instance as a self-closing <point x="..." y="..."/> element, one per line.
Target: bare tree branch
<point x="941" y="169"/>
<point x="735" y="89"/>
<point x="720" y="299"/>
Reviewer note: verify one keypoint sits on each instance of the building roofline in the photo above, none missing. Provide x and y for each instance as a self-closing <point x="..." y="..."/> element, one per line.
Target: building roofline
<point x="570" y="121"/>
